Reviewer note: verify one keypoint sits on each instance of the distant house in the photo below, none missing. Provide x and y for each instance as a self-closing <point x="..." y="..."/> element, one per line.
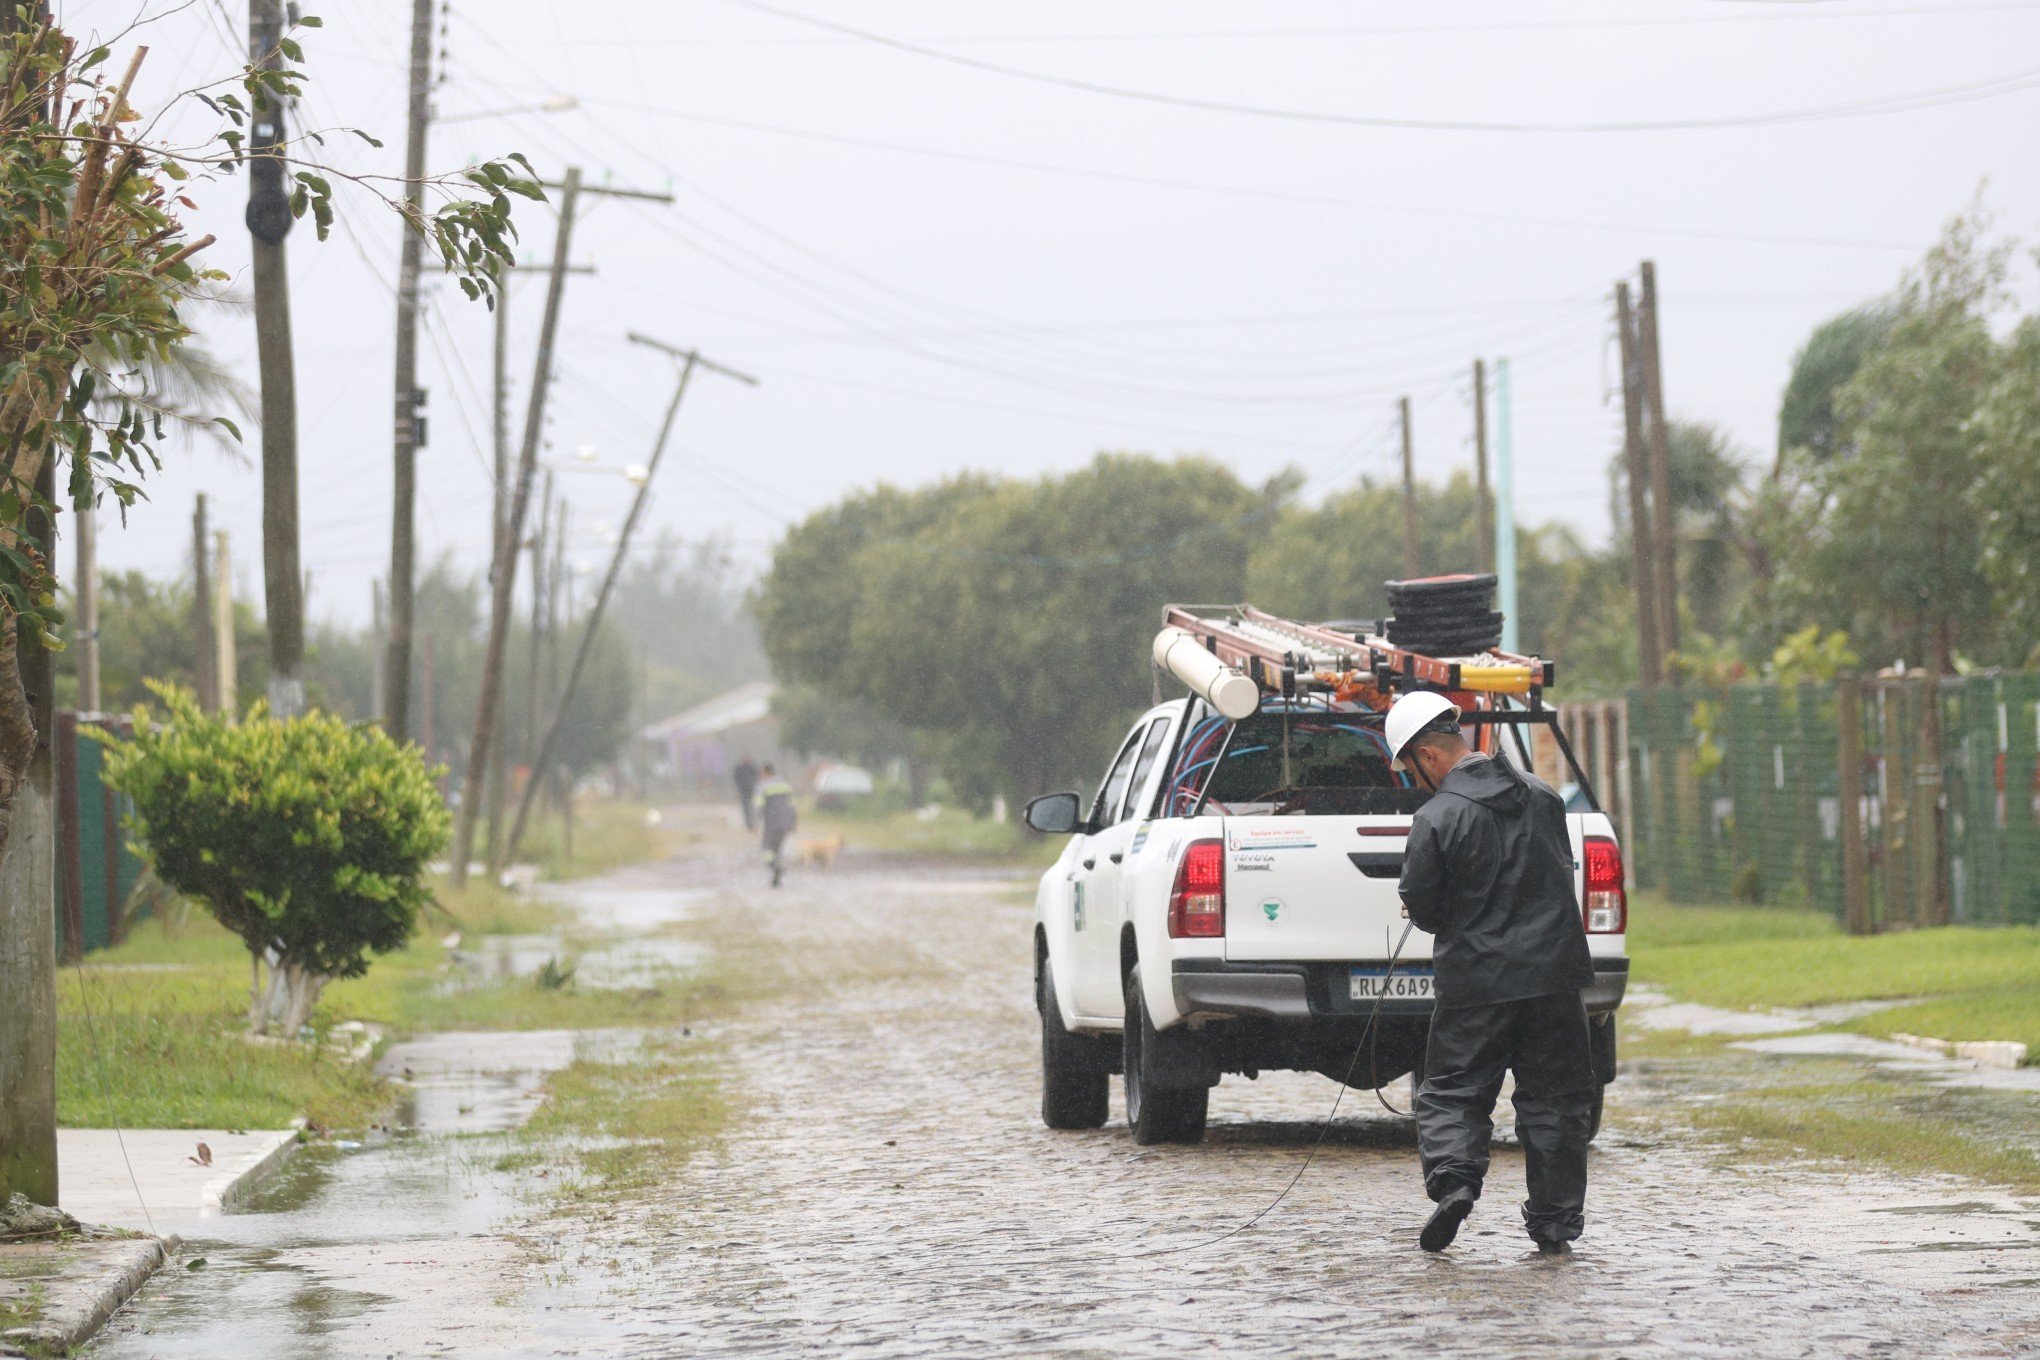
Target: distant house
<point x="694" y="751"/>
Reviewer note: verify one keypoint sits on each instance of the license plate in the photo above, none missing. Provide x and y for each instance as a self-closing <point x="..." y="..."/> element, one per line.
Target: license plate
<point x="1405" y="984"/>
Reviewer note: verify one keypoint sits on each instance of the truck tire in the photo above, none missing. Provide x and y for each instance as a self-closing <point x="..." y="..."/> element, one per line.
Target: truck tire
<point x="1156" y="1114"/>
<point x="1075" y="1090"/>
<point x="1594" y="1114"/>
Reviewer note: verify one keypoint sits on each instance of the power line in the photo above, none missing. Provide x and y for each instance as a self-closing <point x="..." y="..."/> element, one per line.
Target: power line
<point x="1350" y="31"/>
<point x="1991" y="87"/>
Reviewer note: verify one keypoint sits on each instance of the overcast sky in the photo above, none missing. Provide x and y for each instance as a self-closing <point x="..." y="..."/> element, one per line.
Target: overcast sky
<point x="935" y="266"/>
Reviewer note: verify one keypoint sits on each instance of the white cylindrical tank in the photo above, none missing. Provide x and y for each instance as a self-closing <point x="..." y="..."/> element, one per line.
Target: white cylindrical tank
<point x="1225" y="689"/>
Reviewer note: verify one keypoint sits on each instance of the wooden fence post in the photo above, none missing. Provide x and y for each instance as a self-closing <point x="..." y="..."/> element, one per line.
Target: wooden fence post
<point x="1849" y="796"/>
<point x="1930" y="827"/>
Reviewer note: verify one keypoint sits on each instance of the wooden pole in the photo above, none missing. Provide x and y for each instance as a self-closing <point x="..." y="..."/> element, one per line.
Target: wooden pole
<point x="205" y="650"/>
<point x="1849" y="794"/>
<point x="1411" y="568"/>
<point x="1636" y="470"/>
<point x="504" y="578"/>
<point x="1484" y="553"/>
<point x="404" y="412"/>
<point x="88" y="612"/>
<point x="1929" y="830"/>
<point x="1664" y="529"/>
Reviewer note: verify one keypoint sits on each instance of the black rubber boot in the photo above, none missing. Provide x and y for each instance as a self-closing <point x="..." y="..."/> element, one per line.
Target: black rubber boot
<point x="1443" y="1224"/>
<point x="1550" y="1248"/>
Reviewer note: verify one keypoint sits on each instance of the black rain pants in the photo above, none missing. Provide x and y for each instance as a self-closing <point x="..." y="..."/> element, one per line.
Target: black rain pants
<point x="1544" y="1042"/>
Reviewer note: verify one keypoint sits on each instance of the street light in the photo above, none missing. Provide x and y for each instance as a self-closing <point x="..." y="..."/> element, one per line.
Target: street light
<point x="559" y="103"/>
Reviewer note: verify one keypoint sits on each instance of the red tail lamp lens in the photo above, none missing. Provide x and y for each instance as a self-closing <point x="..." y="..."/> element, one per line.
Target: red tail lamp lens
<point x="1197" y="906"/>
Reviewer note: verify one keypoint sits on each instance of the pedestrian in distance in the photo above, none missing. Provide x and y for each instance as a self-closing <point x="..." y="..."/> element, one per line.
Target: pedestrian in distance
<point x="1488" y="871"/>
<point x="745" y="777"/>
<point x="777" y="818"/>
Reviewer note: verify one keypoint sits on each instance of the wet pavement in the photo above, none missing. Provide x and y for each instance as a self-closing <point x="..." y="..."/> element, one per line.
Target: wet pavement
<point x="888" y="1190"/>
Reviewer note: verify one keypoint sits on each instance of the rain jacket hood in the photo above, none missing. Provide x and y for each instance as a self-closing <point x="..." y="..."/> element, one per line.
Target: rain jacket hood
<point x="1488" y="871"/>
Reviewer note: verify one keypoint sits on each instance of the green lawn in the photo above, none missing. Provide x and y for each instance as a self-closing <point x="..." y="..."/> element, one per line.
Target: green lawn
<point x="150" y="1032"/>
<point x="1972" y="982"/>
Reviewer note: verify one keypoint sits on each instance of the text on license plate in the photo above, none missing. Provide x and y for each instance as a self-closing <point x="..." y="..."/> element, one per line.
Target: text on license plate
<point x="1405" y="983"/>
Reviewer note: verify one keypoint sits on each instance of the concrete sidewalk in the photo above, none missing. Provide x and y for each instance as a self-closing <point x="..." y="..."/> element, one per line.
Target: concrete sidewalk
<point x="167" y="1188"/>
<point x="56" y="1293"/>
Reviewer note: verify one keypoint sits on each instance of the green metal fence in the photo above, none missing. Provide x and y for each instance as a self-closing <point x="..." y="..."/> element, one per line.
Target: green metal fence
<point x="96" y="872"/>
<point x="1736" y="795"/>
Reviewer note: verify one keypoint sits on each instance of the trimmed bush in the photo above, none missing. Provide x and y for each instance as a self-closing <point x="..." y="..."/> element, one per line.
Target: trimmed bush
<point x="306" y="837"/>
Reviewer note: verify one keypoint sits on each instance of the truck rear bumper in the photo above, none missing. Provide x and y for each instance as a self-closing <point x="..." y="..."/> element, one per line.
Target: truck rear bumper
<point x="1300" y="992"/>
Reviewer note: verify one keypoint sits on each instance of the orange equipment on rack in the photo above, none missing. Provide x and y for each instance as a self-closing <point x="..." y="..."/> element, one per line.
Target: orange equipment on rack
<point x="1289" y="658"/>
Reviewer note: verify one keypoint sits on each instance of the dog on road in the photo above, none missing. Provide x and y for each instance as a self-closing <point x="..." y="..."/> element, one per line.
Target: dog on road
<point x="819" y="851"/>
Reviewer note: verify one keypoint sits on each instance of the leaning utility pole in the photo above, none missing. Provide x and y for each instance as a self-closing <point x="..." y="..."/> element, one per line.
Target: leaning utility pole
<point x="1636" y="470"/>
<point x="503" y="569"/>
<point x="1484" y="552"/>
<point x="1409" y="498"/>
<point x="269" y="220"/>
<point x="1664" y="525"/>
<point x="406" y="419"/>
<point x="88" y="613"/>
<point x="503" y="563"/>
<point x="563" y="702"/>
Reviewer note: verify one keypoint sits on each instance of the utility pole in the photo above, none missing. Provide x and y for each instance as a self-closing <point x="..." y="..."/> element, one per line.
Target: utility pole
<point x="690" y="360"/>
<point x="1636" y="466"/>
<point x="88" y="613"/>
<point x="1484" y="551"/>
<point x="1664" y="527"/>
<point x="269" y="220"/>
<point x="227" y="660"/>
<point x="204" y="645"/>
<point x="541" y="588"/>
<point x="407" y="423"/>
<point x="1505" y="519"/>
<point x="377" y="652"/>
<point x="503" y="573"/>
<point x="1409" y="498"/>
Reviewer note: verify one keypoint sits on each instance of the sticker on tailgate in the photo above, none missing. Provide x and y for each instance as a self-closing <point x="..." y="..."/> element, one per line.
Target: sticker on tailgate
<point x="1270" y="838"/>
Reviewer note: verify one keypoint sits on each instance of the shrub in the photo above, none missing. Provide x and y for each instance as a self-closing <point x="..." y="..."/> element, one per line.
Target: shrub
<point x="307" y="837"/>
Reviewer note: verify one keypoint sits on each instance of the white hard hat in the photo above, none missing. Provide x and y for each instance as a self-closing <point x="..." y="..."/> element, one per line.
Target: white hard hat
<point x="1411" y="714"/>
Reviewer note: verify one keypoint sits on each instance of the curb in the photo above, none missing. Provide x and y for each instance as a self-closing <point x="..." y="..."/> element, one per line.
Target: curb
<point x="74" y="1311"/>
<point x="223" y="1194"/>
<point x="2003" y="1053"/>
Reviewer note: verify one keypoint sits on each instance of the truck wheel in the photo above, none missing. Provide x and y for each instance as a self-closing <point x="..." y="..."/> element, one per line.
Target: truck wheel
<point x="1156" y="1114"/>
<point x="1075" y="1090"/>
<point x="1594" y="1114"/>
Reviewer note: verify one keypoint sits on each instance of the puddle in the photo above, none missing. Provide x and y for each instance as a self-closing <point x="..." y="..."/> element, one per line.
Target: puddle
<point x="627" y="911"/>
<point x="490" y="1080"/>
<point x="621" y="966"/>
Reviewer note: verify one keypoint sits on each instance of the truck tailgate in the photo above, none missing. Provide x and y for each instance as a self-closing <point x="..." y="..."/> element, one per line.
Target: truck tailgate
<point x="1316" y="888"/>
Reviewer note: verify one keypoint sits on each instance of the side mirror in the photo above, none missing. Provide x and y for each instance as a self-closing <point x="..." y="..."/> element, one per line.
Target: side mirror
<point x="1055" y="814"/>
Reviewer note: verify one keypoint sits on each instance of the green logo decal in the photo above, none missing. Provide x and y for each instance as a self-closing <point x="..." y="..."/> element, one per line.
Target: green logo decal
<point x="1272" y="909"/>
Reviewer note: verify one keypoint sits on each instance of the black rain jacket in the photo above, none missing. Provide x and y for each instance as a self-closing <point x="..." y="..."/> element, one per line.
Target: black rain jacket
<point x="1488" y="871"/>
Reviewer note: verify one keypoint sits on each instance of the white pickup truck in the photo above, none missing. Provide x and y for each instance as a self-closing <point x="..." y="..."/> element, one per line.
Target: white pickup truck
<point x="1228" y="902"/>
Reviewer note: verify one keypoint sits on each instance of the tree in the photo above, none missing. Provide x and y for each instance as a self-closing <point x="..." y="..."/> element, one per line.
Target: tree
<point x="2006" y="505"/>
<point x="1823" y="366"/>
<point x="145" y="634"/>
<point x="307" y="837"/>
<point x="682" y="606"/>
<point x="1882" y="542"/>
<point x="1006" y="624"/>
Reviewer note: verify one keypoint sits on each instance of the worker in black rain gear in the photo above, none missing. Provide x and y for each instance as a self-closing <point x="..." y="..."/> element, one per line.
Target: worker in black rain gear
<point x="1488" y="871"/>
<point x="776" y="818"/>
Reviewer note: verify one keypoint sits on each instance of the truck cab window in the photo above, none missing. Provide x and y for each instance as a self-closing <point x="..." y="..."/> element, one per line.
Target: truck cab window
<point x="1316" y="761"/>
<point x="1150" y="751"/>
<point x="1105" y="809"/>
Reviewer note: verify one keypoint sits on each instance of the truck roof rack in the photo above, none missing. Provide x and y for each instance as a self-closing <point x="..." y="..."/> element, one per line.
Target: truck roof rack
<point x="1349" y="659"/>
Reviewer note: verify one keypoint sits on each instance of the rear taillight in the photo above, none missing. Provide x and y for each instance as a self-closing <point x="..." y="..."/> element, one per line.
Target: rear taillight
<point x="1197" y="906"/>
<point x="1607" y="905"/>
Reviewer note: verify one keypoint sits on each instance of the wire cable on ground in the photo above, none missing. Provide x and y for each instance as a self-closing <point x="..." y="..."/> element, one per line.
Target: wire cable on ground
<point x="1372" y="1028"/>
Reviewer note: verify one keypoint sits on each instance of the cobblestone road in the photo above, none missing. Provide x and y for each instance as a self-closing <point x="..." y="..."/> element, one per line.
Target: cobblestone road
<point x="891" y="1192"/>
